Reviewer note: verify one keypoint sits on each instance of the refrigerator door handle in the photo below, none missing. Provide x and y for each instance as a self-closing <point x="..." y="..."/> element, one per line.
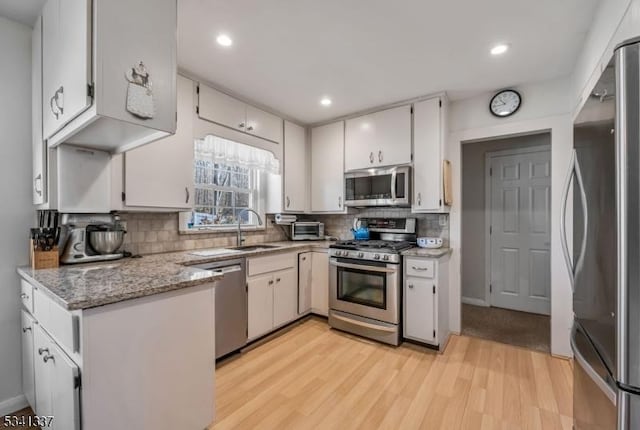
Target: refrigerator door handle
<point x="585" y="211"/>
<point x="563" y="214"/>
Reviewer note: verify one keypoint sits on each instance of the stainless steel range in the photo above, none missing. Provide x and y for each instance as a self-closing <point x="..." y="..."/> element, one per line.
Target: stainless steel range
<point x="365" y="283"/>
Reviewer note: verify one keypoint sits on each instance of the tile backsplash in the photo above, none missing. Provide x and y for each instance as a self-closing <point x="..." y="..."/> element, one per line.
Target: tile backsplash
<point x="152" y="233"/>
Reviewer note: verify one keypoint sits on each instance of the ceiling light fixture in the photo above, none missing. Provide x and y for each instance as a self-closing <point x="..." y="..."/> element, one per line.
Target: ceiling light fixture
<point x="499" y="49"/>
<point x="326" y="101"/>
<point x="224" y="40"/>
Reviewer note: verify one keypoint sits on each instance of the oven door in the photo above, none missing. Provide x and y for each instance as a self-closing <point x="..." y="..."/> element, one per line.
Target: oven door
<point x="367" y="289"/>
<point x="378" y="187"/>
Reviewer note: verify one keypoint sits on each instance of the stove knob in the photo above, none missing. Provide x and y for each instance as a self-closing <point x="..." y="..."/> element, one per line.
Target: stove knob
<point x="376" y="257"/>
<point x="386" y="258"/>
<point x="345" y="253"/>
<point x="338" y="253"/>
<point x="361" y="254"/>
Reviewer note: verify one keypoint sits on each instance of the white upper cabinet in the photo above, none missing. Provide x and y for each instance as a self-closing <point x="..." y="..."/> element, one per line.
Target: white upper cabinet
<point x="428" y="155"/>
<point x="89" y="49"/>
<point x="327" y="168"/>
<point x="39" y="150"/>
<point x="161" y="174"/>
<point x="295" y="168"/>
<point x="378" y="139"/>
<point x="218" y="107"/>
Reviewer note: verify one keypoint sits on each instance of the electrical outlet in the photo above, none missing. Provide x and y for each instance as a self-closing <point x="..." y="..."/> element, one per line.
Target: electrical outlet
<point x="442" y="220"/>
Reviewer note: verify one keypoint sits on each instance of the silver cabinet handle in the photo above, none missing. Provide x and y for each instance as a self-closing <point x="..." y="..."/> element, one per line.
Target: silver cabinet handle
<point x="43" y="350"/>
<point x="241" y="125"/>
<point x="419" y="199"/>
<point x="420" y="269"/>
<point x="277" y="279"/>
<point x="288" y="201"/>
<point x="250" y="128"/>
<point x="26" y="329"/>
<point x="186" y="190"/>
<point x="53" y="108"/>
<point x="380" y="156"/>
<point x="339" y="201"/>
<point x="35" y="184"/>
<point x="271" y="282"/>
<point x="59" y="94"/>
<point x="47" y="358"/>
<point x="371" y="158"/>
<point x="304" y="258"/>
<point x="410" y="286"/>
<point x="24" y="296"/>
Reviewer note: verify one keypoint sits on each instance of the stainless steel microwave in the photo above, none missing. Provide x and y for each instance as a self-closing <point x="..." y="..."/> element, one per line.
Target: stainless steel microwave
<point x="307" y="230"/>
<point x="389" y="186"/>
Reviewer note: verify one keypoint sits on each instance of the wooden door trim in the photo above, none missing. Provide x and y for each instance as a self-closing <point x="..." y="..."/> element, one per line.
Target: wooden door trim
<point x="488" y="164"/>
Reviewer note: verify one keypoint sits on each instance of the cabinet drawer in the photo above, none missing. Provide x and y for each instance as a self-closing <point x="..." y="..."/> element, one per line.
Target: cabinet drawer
<point x="58" y="322"/>
<point x="420" y="268"/>
<point x="26" y="295"/>
<point x="271" y="263"/>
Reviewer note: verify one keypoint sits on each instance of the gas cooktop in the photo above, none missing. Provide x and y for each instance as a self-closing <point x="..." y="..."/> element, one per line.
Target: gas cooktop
<point x="373" y="245"/>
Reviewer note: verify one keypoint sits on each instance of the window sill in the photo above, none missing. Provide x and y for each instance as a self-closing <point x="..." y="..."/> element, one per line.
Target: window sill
<point x="222" y="229"/>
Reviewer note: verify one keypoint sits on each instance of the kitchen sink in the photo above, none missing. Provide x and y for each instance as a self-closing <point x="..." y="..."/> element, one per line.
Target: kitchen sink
<point x="254" y="247"/>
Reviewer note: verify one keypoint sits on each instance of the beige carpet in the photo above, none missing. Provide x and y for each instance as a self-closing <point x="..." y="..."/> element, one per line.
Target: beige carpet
<point x="506" y="326"/>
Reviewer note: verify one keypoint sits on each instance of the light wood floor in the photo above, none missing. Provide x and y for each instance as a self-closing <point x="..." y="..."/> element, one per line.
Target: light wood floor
<point x="315" y="377"/>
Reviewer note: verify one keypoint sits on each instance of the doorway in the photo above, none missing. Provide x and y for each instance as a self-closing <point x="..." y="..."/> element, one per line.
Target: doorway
<point x="506" y="210"/>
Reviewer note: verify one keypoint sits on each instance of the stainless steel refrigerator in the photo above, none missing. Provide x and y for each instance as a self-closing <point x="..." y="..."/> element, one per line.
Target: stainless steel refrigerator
<point x="604" y="259"/>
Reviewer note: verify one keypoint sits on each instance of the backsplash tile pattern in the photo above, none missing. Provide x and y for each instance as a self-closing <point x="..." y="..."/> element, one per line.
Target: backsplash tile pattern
<point x="152" y="233"/>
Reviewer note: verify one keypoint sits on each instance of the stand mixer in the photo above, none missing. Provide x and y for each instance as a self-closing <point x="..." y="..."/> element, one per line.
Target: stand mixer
<point x="91" y="237"/>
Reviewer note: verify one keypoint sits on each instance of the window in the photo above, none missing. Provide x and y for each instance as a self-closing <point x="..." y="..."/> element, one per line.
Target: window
<point x="228" y="178"/>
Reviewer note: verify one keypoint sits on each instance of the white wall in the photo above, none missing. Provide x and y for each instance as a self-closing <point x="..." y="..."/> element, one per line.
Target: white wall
<point x="16" y="210"/>
<point x="545" y="107"/>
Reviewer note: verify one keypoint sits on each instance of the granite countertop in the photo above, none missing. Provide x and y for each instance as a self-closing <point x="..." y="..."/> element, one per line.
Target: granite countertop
<point x="427" y="252"/>
<point x="89" y="285"/>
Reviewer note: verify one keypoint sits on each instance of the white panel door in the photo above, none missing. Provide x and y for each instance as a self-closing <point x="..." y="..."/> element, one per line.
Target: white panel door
<point x="327" y="168"/>
<point x="161" y="173"/>
<point x="420" y="311"/>
<point x="520" y="231"/>
<point x="43" y="378"/>
<point x="427" y="156"/>
<point x="260" y="305"/>
<point x="264" y="125"/>
<point x="320" y="283"/>
<point x="74" y="56"/>
<point x="220" y="108"/>
<point x="28" y="375"/>
<point x="304" y="281"/>
<point x="285" y="296"/>
<point x="378" y="139"/>
<point x="65" y="390"/>
<point x="295" y="168"/>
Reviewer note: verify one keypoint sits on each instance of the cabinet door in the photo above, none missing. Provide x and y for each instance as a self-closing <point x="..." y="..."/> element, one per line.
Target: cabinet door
<point x="51" y="71"/>
<point x="220" y="108"/>
<point x="65" y="389"/>
<point x="161" y="173"/>
<point x="285" y="296"/>
<point x="38" y="146"/>
<point x="327" y="168"/>
<point x="264" y="125"/>
<point x="28" y="372"/>
<point x="419" y="309"/>
<point x="378" y="139"/>
<point x="320" y="283"/>
<point x="295" y="168"/>
<point x="43" y="382"/>
<point x="427" y="157"/>
<point x="304" y="282"/>
<point x="260" y="305"/>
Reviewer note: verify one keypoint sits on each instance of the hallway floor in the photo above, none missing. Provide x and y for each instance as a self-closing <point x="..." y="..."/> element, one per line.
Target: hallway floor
<point x="523" y="329"/>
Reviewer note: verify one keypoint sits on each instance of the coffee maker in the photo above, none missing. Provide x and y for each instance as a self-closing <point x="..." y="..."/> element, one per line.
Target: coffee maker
<point x="90" y="237"/>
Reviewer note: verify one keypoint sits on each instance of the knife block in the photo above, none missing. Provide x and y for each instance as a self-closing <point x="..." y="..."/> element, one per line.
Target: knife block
<point x="43" y="259"/>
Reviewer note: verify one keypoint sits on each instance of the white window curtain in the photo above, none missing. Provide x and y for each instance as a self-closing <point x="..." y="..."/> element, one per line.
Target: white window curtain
<point x="223" y="151"/>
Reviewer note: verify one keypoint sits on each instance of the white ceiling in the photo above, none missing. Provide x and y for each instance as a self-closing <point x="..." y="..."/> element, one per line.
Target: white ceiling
<point x="287" y="54"/>
<point x="23" y="11"/>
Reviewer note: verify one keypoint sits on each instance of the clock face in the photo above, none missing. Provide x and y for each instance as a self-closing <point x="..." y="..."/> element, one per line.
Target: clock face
<point x="505" y="103"/>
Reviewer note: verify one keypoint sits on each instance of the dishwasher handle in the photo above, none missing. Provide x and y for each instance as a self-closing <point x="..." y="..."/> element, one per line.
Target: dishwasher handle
<point x="225" y="270"/>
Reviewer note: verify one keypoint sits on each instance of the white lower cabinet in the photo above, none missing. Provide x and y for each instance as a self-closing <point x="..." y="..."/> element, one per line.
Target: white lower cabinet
<point x="28" y="376"/>
<point x="305" y="283"/>
<point x="272" y="284"/>
<point x="426" y="300"/>
<point x="320" y="283"/>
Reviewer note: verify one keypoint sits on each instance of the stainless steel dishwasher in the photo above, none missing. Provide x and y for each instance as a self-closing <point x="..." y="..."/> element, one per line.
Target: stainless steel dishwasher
<point x="231" y="305"/>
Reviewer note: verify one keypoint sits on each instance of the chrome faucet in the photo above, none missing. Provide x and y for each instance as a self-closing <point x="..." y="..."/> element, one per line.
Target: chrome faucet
<point x="240" y="239"/>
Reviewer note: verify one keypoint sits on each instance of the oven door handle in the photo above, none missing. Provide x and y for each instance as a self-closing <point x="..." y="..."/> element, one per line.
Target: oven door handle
<point x="363" y="267"/>
<point x="394" y="185"/>
<point x="364" y="324"/>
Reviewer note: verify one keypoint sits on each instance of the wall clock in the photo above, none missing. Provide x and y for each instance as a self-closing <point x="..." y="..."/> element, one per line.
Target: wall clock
<point x="505" y="103"/>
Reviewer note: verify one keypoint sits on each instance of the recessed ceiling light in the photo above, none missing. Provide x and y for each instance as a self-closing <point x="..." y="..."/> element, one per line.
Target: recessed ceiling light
<point x="499" y="49"/>
<point x="326" y="101"/>
<point x="224" y="40"/>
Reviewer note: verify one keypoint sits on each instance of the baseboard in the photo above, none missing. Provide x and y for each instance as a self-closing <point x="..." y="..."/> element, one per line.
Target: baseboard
<point x="13" y="404"/>
<point x="474" y="301"/>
